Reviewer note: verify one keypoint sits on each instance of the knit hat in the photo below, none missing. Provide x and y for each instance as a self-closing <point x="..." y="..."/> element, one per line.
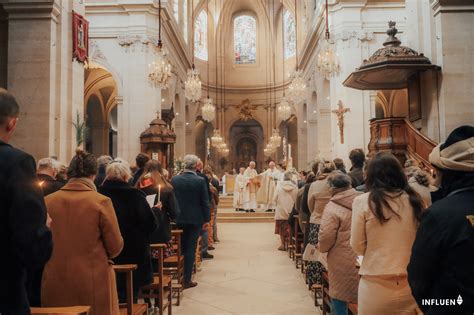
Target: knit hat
<point x="457" y="152"/>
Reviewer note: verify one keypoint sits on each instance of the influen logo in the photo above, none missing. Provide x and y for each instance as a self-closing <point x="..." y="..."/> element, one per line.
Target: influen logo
<point x="442" y="302"/>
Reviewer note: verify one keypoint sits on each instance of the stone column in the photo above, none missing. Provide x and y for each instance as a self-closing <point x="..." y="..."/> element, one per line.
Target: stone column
<point x="42" y="75"/>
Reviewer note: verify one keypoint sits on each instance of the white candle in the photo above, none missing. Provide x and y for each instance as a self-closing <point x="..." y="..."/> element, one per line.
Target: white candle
<point x="289" y="151"/>
<point x="431" y="171"/>
<point x="159" y="193"/>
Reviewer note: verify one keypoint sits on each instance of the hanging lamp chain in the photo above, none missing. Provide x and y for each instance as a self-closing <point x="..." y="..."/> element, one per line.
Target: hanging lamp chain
<point x="327" y="21"/>
<point x="160" y="44"/>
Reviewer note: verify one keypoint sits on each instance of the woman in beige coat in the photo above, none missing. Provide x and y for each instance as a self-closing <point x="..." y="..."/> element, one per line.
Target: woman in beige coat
<point x="384" y="225"/>
<point x="334" y="239"/>
<point x="86" y="236"/>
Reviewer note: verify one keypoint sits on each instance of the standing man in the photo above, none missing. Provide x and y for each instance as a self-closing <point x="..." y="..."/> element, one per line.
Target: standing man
<point x="442" y="258"/>
<point x="46" y="173"/>
<point x="239" y="187"/>
<point x="251" y="187"/>
<point x="140" y="160"/>
<point x="25" y="240"/>
<point x="193" y="200"/>
<point x="269" y="181"/>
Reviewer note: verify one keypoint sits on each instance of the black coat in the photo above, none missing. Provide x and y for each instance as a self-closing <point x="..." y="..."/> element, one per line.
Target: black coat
<point x="442" y="260"/>
<point x="48" y="184"/>
<point x="25" y="241"/>
<point x="99" y="179"/>
<point x="136" y="222"/>
<point x="168" y="213"/>
<point x="136" y="176"/>
<point x="192" y="194"/>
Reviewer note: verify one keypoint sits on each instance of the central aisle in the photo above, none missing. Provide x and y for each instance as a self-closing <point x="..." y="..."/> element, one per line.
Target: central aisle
<point x="248" y="276"/>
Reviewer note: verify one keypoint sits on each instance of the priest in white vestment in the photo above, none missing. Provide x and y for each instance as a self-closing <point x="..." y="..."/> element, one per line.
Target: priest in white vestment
<point x="251" y="187"/>
<point x="269" y="181"/>
<point x="239" y="187"/>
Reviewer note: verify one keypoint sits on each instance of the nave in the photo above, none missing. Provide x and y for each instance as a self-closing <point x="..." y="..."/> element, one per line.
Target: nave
<point x="248" y="276"/>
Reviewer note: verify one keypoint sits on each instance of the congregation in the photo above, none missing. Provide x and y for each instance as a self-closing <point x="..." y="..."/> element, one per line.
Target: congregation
<point x="63" y="233"/>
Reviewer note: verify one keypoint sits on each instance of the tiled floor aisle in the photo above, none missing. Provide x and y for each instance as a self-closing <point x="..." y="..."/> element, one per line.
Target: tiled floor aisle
<point x="248" y="276"/>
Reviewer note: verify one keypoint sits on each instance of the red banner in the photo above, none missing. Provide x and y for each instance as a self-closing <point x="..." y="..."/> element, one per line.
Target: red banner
<point x="80" y="37"/>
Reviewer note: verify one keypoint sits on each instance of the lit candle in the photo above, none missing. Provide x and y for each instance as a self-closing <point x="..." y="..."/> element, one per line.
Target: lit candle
<point x="289" y="151"/>
<point x="431" y="171"/>
<point x="159" y="193"/>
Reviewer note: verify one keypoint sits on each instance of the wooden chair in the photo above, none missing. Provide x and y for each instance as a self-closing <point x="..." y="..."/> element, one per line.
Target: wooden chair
<point x="303" y="263"/>
<point x="70" y="310"/>
<point x="128" y="307"/>
<point x="291" y="244"/>
<point x="298" y="243"/>
<point x="326" y="297"/>
<point x="161" y="288"/>
<point x="174" y="265"/>
<point x="353" y="308"/>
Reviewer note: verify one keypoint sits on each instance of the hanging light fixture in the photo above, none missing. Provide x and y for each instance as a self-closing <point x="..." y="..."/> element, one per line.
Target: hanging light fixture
<point x="216" y="137"/>
<point x="208" y="109"/>
<point x="297" y="91"/>
<point x="160" y="69"/>
<point x="275" y="139"/>
<point x="284" y="109"/>
<point x="193" y="85"/>
<point x="328" y="61"/>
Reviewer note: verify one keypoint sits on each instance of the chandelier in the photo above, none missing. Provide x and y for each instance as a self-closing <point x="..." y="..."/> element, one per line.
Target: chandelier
<point x="328" y="61"/>
<point x="192" y="86"/>
<point x="160" y="69"/>
<point x="208" y="110"/>
<point x="216" y="138"/>
<point x="275" y="139"/>
<point x="284" y="109"/>
<point x="297" y="91"/>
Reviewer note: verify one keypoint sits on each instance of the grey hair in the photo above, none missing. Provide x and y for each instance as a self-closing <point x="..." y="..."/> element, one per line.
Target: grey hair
<point x="339" y="180"/>
<point x="118" y="169"/>
<point x="47" y="163"/>
<point x="103" y="160"/>
<point x="190" y="161"/>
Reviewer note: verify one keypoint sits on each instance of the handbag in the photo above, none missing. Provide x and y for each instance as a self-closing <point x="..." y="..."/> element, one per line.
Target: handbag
<point x="311" y="253"/>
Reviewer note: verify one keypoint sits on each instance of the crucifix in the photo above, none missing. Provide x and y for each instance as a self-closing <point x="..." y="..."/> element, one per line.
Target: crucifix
<point x="340" y="111"/>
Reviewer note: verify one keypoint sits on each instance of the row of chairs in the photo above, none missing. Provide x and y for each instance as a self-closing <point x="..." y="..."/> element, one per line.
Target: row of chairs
<point x="167" y="283"/>
<point x="294" y="244"/>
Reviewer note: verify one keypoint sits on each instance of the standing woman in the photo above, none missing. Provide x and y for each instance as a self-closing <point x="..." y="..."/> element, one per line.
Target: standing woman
<point x="136" y="221"/>
<point x="384" y="225"/>
<point x="318" y="197"/>
<point x="214" y="202"/>
<point x="86" y="237"/>
<point x="151" y="182"/>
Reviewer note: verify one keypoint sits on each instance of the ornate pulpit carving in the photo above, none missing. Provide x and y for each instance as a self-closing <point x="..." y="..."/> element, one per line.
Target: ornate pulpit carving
<point x="158" y="142"/>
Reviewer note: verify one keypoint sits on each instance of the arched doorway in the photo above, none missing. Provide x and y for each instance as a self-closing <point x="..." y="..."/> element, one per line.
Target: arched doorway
<point x="246" y="144"/>
<point x="100" y="91"/>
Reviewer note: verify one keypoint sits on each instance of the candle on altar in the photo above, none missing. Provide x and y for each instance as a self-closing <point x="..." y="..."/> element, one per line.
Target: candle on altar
<point x="289" y="151"/>
<point x="159" y="192"/>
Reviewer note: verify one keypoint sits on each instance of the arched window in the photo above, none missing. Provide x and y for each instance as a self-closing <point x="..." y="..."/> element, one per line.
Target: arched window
<point x="289" y="34"/>
<point x="245" y="39"/>
<point x="200" y="36"/>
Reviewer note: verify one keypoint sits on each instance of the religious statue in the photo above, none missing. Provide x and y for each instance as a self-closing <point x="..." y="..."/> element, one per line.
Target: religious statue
<point x="245" y="110"/>
<point x="340" y="118"/>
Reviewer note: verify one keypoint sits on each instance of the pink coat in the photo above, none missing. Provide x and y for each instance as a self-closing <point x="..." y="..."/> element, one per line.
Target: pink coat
<point x="334" y="238"/>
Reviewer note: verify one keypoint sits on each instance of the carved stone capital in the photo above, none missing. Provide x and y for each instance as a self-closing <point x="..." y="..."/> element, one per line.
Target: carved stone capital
<point x="132" y="42"/>
<point x="29" y="10"/>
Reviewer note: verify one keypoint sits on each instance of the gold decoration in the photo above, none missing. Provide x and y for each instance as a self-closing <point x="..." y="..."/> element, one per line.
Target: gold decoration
<point x="245" y="110"/>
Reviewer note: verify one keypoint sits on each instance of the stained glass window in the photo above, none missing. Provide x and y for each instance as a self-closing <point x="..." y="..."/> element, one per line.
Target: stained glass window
<point x="176" y="10"/>
<point x="289" y="34"/>
<point x="185" y="20"/>
<point x="200" y="36"/>
<point x="245" y="39"/>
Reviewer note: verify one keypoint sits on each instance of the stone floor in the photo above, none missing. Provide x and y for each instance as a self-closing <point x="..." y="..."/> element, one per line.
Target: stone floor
<point x="248" y="276"/>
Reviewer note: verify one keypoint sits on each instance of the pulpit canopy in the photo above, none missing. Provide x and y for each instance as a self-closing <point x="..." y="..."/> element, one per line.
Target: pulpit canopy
<point x="158" y="132"/>
<point x="389" y="67"/>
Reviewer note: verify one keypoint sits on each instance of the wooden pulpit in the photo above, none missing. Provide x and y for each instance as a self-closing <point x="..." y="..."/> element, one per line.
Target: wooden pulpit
<point x="157" y="141"/>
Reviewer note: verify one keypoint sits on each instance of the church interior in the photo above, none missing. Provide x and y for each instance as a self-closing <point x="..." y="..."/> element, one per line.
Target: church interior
<point x="292" y="83"/>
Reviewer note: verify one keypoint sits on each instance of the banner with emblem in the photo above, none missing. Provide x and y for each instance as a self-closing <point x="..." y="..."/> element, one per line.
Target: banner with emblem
<point x="80" y="38"/>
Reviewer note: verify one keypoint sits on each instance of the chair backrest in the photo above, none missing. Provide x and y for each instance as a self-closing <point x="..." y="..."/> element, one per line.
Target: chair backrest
<point x="70" y="310"/>
<point x="176" y="236"/>
<point x="128" y="271"/>
<point x="160" y="248"/>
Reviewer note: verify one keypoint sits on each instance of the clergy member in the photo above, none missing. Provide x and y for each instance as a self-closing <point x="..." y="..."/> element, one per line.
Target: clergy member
<point x="269" y="180"/>
<point x="239" y="186"/>
<point x="251" y="186"/>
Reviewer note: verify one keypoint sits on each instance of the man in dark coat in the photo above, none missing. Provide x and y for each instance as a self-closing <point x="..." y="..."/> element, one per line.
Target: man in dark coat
<point x="140" y="160"/>
<point x="25" y="240"/>
<point x="136" y="221"/>
<point x="46" y="174"/>
<point x="441" y="268"/>
<point x="193" y="200"/>
<point x="356" y="172"/>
